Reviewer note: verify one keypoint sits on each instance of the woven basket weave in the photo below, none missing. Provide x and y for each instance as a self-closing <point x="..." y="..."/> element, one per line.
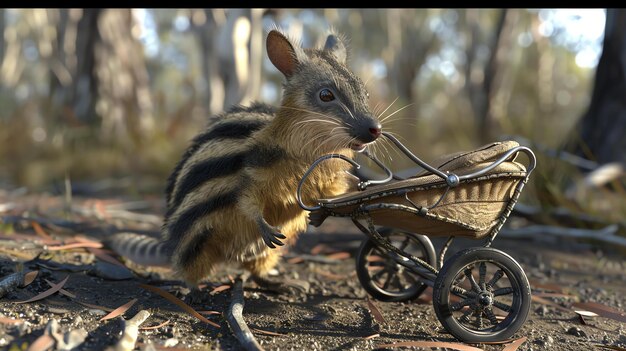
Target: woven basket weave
<point x="470" y="209"/>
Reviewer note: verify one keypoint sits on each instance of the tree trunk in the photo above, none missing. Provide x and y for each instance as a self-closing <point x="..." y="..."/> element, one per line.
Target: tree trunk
<point x="234" y="55"/>
<point x="410" y="42"/>
<point x="2" y="24"/>
<point x="85" y="84"/>
<point x="602" y="129"/>
<point x="483" y="108"/>
<point x="257" y="40"/>
<point x="124" y="99"/>
<point x="206" y="34"/>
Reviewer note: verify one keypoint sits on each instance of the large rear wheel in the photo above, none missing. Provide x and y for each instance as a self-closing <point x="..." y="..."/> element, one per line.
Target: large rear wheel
<point x="481" y="295"/>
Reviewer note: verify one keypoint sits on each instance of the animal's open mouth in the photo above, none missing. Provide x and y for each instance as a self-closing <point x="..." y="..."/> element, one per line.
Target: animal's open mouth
<point x="357" y="146"/>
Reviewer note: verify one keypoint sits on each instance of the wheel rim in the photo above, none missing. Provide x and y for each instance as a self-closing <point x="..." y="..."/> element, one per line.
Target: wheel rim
<point x="484" y="297"/>
<point x="388" y="276"/>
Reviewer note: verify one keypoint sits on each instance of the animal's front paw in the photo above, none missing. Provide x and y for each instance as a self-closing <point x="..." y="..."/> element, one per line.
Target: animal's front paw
<point x="271" y="235"/>
<point x="317" y="217"/>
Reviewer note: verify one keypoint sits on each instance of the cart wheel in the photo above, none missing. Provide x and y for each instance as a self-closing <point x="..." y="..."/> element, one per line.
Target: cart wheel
<point x="387" y="280"/>
<point x="481" y="295"/>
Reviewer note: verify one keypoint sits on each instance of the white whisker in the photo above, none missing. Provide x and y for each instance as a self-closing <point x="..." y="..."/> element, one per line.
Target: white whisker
<point x="398" y="110"/>
<point x="396" y="99"/>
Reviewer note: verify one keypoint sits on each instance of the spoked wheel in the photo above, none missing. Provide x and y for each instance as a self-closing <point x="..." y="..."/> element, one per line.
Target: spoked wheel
<point x="382" y="277"/>
<point x="481" y="295"/>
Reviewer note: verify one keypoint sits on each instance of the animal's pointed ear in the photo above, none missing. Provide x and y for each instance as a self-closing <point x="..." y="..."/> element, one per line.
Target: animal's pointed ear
<point x="282" y="53"/>
<point x="336" y="47"/>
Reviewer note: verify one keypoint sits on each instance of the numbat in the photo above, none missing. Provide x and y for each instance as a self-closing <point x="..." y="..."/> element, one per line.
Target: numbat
<point x="232" y="196"/>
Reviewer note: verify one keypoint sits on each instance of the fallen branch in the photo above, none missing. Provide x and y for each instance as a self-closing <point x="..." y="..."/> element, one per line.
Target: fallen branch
<point x="237" y="324"/>
<point x="606" y="234"/>
<point x="12" y="281"/>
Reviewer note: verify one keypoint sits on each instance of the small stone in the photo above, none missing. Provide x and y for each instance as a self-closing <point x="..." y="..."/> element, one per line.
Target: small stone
<point x="577" y="332"/>
<point x="171" y="342"/>
<point x="542" y="310"/>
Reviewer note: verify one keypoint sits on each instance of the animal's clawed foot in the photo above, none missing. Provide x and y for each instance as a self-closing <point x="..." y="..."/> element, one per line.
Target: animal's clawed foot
<point x="317" y="217"/>
<point x="283" y="286"/>
<point x="271" y="235"/>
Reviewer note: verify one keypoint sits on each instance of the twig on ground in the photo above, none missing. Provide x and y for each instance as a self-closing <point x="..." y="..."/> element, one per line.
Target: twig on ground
<point x="20" y="278"/>
<point x="234" y="316"/>
<point x="10" y="282"/>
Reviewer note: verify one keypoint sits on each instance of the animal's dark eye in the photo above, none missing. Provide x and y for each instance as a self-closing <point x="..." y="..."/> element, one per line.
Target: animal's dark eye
<point x="326" y="95"/>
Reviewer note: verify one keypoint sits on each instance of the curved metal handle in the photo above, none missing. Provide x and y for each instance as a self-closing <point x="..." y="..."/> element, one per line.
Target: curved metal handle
<point x="451" y="178"/>
<point x="524" y="149"/>
<point x="365" y="184"/>
<point x="308" y="172"/>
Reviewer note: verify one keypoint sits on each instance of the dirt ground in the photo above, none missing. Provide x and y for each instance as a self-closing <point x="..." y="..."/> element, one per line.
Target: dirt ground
<point x="333" y="315"/>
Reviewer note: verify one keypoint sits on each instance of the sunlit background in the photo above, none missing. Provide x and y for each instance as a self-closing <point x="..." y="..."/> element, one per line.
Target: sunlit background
<point x="109" y="99"/>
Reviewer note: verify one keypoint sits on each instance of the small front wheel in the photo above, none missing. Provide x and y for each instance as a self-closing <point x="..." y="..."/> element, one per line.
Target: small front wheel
<point x="481" y="295"/>
<point x="382" y="277"/>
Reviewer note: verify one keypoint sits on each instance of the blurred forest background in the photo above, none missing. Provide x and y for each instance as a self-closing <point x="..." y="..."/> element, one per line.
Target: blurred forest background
<point x="108" y="99"/>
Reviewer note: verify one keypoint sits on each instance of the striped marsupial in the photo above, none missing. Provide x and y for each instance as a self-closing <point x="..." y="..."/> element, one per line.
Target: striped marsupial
<point x="232" y="196"/>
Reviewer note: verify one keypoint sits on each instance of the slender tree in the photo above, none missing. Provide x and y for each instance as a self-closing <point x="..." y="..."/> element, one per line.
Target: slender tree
<point x="601" y="133"/>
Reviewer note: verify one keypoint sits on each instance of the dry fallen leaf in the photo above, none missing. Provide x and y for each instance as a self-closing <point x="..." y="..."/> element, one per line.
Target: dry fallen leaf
<point x="75" y="246"/>
<point x="52" y="290"/>
<point x="449" y="345"/>
<point x="220" y="289"/>
<point x="546" y="286"/>
<point x="515" y="344"/>
<point x="178" y="302"/>
<point x="29" y="277"/>
<point x="586" y="313"/>
<point x="62" y="291"/>
<point x="209" y="312"/>
<point x="319" y="248"/>
<point x="295" y="260"/>
<point x="602" y="310"/>
<point x="119" y="311"/>
<point x="156" y="326"/>
<point x="266" y="332"/>
<point x="101" y="254"/>
<point x="339" y="255"/>
<point x="375" y="312"/>
<point x="39" y="231"/>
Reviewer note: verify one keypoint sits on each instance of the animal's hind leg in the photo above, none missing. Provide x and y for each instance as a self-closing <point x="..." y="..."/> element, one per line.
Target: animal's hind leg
<point x="260" y="267"/>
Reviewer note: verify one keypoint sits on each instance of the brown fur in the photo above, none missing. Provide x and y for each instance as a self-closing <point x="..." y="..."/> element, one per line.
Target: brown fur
<point x="261" y="187"/>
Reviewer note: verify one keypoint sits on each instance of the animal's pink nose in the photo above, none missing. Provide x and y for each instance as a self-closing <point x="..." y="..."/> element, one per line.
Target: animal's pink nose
<point x="376" y="131"/>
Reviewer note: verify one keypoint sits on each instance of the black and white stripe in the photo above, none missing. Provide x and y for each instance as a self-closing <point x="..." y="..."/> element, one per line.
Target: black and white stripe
<point x="185" y="228"/>
<point x="237" y="129"/>
<point x="141" y="249"/>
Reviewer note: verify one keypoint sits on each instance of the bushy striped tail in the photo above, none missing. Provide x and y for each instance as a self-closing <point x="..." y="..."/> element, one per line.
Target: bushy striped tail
<point x="141" y="249"/>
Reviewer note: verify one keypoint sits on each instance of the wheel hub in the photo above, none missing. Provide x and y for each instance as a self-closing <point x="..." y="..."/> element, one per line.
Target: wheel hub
<point x="485" y="299"/>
